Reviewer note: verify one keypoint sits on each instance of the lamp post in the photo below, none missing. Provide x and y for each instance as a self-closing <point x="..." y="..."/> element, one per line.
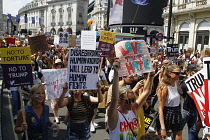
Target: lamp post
<point x="145" y="33"/>
<point x="169" y="21"/>
<point x="108" y="11"/>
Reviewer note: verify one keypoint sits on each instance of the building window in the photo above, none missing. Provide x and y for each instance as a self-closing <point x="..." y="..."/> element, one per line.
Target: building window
<point x="187" y="1"/>
<point x="53" y="15"/>
<point x="61" y="11"/>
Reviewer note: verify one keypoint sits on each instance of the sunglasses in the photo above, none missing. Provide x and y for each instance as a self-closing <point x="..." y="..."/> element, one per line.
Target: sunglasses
<point x="177" y="73"/>
<point x="129" y="101"/>
<point x="58" y="64"/>
<point x="32" y="64"/>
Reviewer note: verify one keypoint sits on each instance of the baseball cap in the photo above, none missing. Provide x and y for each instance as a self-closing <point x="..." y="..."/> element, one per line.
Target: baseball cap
<point x="57" y="61"/>
<point x="192" y="67"/>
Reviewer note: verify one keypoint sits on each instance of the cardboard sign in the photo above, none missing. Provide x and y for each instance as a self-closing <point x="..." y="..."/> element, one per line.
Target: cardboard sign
<point x="195" y="85"/>
<point x="54" y="79"/>
<point x="88" y="40"/>
<point x="16" y="64"/>
<point x="172" y="50"/>
<point x="72" y="40"/>
<point x="134" y="57"/>
<point x="63" y="39"/>
<point x="206" y="63"/>
<point x="147" y="121"/>
<point x="83" y="68"/>
<point x="38" y="44"/>
<point x="106" y="43"/>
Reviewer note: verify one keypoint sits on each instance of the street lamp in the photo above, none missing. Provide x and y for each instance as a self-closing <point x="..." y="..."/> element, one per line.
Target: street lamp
<point x="145" y="33"/>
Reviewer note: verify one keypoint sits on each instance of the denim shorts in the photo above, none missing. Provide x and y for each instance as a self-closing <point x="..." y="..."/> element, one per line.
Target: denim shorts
<point x="77" y="131"/>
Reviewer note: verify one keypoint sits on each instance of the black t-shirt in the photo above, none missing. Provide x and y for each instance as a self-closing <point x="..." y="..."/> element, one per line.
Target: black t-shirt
<point x="188" y="101"/>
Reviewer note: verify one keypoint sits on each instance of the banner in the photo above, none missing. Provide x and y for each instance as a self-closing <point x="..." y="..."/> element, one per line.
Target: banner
<point x="83" y="68"/>
<point x="116" y="12"/>
<point x="33" y="20"/>
<point x="38" y="44"/>
<point x="133" y="56"/>
<point x="195" y="85"/>
<point x="147" y="121"/>
<point x="16" y="65"/>
<point x="106" y="43"/>
<point x="63" y="39"/>
<point x="88" y="40"/>
<point x="10" y="40"/>
<point x="54" y="79"/>
<point x="206" y="64"/>
<point x="172" y="50"/>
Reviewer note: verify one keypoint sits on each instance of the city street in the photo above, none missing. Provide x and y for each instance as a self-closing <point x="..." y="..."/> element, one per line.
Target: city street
<point x="101" y="134"/>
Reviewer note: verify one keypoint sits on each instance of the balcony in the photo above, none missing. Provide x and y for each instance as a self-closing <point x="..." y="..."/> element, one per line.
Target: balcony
<point x="53" y="24"/>
<point x="60" y="23"/>
<point x="199" y="5"/>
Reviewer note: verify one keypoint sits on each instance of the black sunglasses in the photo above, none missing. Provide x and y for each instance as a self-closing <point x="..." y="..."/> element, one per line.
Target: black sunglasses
<point x="32" y="64"/>
<point x="129" y="101"/>
<point x="177" y="73"/>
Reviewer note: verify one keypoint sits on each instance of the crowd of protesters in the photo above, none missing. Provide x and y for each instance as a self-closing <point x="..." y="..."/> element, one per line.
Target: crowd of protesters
<point x="126" y="99"/>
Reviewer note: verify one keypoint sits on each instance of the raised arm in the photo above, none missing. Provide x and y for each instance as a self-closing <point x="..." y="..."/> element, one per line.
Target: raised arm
<point x="146" y="91"/>
<point x="61" y="100"/>
<point x="112" y="111"/>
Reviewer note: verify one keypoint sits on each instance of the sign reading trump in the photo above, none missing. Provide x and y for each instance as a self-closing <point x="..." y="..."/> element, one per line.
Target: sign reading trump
<point x="133" y="56"/>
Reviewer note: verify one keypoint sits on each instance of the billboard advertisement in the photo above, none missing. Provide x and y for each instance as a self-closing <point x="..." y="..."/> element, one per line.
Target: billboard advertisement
<point x="143" y="12"/>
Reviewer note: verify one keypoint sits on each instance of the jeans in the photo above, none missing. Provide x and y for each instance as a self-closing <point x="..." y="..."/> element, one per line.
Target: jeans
<point x="78" y="131"/>
<point x="190" y="118"/>
<point x="15" y="102"/>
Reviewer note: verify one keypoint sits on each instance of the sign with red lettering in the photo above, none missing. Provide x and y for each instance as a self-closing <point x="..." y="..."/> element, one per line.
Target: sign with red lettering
<point x="195" y="85"/>
<point x="206" y="61"/>
<point x="134" y="57"/>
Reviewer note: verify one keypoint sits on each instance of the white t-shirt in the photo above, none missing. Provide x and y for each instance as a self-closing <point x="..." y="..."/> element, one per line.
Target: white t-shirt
<point x="122" y="130"/>
<point x="173" y="97"/>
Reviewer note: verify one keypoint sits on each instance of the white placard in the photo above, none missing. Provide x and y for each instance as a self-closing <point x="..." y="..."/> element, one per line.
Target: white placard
<point x="88" y="40"/>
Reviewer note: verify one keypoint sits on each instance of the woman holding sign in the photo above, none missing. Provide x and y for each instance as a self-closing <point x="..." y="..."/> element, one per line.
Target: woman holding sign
<point x="78" y="106"/>
<point x="168" y="92"/>
<point x="123" y="108"/>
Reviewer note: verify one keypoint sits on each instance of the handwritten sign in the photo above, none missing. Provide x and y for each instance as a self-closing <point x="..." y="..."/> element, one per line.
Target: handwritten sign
<point x="63" y="39"/>
<point x="172" y="50"/>
<point x="72" y="40"/>
<point x="54" y="79"/>
<point x="83" y="69"/>
<point x="38" y="44"/>
<point x="88" y="40"/>
<point x="133" y="56"/>
<point x="106" y="43"/>
<point x="195" y="85"/>
<point x="16" y="64"/>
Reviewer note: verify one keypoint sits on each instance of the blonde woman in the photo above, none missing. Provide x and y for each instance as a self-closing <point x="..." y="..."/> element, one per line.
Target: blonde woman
<point x="36" y="114"/>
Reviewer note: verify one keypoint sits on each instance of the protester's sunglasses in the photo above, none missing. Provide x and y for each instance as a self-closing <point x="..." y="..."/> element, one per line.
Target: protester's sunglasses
<point x="32" y="64"/>
<point x="129" y="101"/>
<point x="177" y="73"/>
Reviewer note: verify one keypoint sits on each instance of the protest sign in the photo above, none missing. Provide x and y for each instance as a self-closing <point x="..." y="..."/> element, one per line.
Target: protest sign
<point x="133" y="56"/>
<point x="147" y="121"/>
<point x="106" y="43"/>
<point x="88" y="40"/>
<point x="63" y="39"/>
<point x="16" y="64"/>
<point x="207" y="52"/>
<point x="206" y="64"/>
<point x="83" y="69"/>
<point x="54" y="79"/>
<point x="195" y="85"/>
<point x="72" y="40"/>
<point x="10" y="40"/>
<point x="38" y="44"/>
<point x="189" y="52"/>
<point x="78" y="41"/>
<point x="172" y="50"/>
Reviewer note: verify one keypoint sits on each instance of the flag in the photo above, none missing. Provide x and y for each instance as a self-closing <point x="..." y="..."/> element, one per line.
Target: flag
<point x="25" y="19"/>
<point x="17" y="18"/>
<point x="40" y="21"/>
<point x="9" y="16"/>
<point x="33" y="20"/>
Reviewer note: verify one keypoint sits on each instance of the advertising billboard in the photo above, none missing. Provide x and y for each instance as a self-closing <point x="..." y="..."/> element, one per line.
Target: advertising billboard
<point x="143" y="12"/>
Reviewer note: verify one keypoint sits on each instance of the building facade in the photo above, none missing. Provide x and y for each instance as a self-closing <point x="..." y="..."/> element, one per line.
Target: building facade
<point x="190" y="23"/>
<point x="1" y="15"/>
<point x="9" y="26"/>
<point x="54" y="16"/>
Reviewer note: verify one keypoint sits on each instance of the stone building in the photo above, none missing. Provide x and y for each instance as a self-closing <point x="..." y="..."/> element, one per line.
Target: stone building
<point x="55" y="16"/>
<point x="190" y="23"/>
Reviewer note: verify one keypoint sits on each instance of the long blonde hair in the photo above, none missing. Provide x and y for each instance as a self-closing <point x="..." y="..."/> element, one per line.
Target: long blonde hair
<point x="33" y="90"/>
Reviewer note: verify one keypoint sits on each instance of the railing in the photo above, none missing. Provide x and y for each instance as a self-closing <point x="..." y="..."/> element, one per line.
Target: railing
<point x="183" y="6"/>
<point x="201" y="3"/>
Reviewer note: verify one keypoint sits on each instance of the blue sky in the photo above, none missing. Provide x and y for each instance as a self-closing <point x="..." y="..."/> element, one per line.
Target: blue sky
<point x="12" y="6"/>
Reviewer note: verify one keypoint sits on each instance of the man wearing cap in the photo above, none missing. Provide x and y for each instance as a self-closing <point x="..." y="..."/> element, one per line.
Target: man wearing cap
<point x="189" y="108"/>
